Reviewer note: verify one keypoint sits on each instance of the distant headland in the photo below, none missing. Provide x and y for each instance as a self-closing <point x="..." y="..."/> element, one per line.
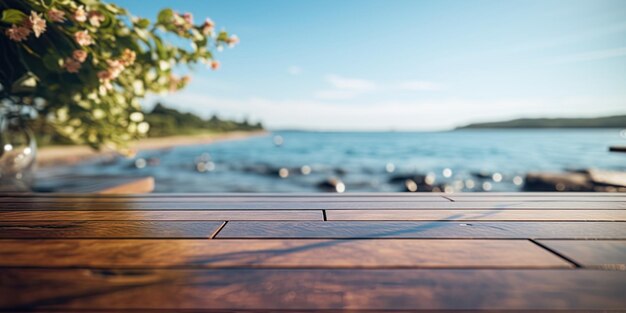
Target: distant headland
<point x="617" y="121"/>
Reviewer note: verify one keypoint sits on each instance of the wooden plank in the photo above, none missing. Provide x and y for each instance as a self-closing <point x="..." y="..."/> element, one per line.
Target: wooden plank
<point x="142" y="185"/>
<point x="100" y="184"/>
<point x="462" y="198"/>
<point x="294" y="289"/>
<point x="305" y="205"/>
<point x="387" y="199"/>
<point x="392" y="253"/>
<point x="606" y="254"/>
<point x="228" y="199"/>
<point x="535" y="193"/>
<point x="474" y="215"/>
<point x="178" y="215"/>
<point x="105" y="230"/>
<point x="244" y="195"/>
<point x="436" y="229"/>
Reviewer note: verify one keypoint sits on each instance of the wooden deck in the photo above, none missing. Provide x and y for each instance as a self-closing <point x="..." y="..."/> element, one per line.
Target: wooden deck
<point x="351" y="252"/>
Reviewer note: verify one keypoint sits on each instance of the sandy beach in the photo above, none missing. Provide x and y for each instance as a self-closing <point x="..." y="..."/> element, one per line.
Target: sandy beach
<point x="68" y="155"/>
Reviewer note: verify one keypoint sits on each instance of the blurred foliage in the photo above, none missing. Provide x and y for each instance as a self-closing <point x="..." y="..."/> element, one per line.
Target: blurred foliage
<point x="167" y="122"/>
<point x="83" y="65"/>
<point x="163" y="121"/>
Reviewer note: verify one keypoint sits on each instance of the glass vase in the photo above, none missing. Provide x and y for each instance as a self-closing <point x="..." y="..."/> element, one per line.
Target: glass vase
<point x="18" y="151"/>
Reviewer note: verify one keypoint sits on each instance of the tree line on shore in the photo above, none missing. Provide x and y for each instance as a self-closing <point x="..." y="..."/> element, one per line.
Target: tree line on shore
<point x="164" y="121"/>
<point x="618" y="121"/>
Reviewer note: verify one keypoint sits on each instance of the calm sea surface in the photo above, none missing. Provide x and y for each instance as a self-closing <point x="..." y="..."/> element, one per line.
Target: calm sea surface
<point x="474" y="160"/>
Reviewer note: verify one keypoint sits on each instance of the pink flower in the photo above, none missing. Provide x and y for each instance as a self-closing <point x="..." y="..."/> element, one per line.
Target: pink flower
<point x="95" y="18"/>
<point x="208" y="26"/>
<point x="188" y="18"/>
<point x="173" y="84"/>
<point x="37" y="23"/>
<point x="83" y="38"/>
<point x="57" y="16"/>
<point x="71" y="65"/>
<point x="232" y="41"/>
<point x="128" y="57"/>
<point x="105" y="79"/>
<point x="80" y="15"/>
<point x="17" y="33"/>
<point x="104" y="75"/>
<point x="215" y="65"/>
<point x="115" y="68"/>
<point x="79" y="55"/>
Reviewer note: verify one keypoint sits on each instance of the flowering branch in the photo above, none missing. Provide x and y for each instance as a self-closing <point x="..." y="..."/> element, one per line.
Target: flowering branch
<point x="89" y="63"/>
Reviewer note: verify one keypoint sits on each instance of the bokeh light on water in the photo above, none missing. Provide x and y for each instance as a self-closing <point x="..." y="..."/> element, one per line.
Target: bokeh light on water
<point x="458" y="161"/>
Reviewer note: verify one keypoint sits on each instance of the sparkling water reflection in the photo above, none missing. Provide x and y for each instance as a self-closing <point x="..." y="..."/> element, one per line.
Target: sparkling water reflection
<point x="476" y="160"/>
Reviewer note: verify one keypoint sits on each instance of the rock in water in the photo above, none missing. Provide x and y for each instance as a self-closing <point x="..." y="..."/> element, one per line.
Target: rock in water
<point x="557" y="182"/>
<point x="607" y="178"/>
<point x="585" y="180"/>
<point x="332" y="185"/>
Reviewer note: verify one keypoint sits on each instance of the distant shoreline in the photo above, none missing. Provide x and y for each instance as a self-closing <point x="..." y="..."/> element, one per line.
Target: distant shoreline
<point x="408" y="131"/>
<point x="71" y="155"/>
<point x="606" y="122"/>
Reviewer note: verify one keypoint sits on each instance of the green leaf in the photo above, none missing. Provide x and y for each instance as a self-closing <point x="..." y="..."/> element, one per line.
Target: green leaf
<point x="222" y="36"/>
<point x="47" y="3"/>
<point x="51" y="61"/>
<point x="12" y="16"/>
<point x="143" y="23"/>
<point x="165" y="16"/>
<point x="161" y="51"/>
<point x="90" y="2"/>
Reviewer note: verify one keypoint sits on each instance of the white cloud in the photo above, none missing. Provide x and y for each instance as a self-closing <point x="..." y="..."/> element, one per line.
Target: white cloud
<point x="336" y="94"/>
<point x="343" y="88"/>
<point x="294" y="70"/>
<point x="591" y="56"/>
<point x="354" y="84"/>
<point x="418" y="85"/>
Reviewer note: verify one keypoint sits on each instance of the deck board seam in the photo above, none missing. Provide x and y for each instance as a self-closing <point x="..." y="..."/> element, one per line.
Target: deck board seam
<point x="218" y="230"/>
<point x="558" y="254"/>
<point x="449" y="199"/>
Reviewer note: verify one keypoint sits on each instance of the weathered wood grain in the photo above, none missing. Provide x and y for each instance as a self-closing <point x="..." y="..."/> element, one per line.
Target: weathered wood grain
<point x="315" y="195"/>
<point x="435" y="229"/>
<point x="177" y="215"/>
<point x="99" y="184"/>
<point x="216" y="199"/>
<point x="474" y="215"/>
<point x="105" y="230"/>
<point x="291" y="289"/>
<point x="561" y="197"/>
<point x="305" y="205"/>
<point x="71" y="253"/>
<point x="533" y="194"/>
<point x="270" y="253"/>
<point x="607" y="254"/>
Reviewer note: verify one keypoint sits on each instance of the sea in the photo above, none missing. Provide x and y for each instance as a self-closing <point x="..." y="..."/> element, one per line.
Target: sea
<point x="308" y="162"/>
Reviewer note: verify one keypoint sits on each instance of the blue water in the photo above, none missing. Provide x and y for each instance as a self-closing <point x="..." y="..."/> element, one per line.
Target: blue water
<point x="367" y="161"/>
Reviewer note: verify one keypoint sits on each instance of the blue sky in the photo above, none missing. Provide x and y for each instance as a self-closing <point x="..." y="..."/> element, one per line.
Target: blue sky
<point x="407" y="64"/>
